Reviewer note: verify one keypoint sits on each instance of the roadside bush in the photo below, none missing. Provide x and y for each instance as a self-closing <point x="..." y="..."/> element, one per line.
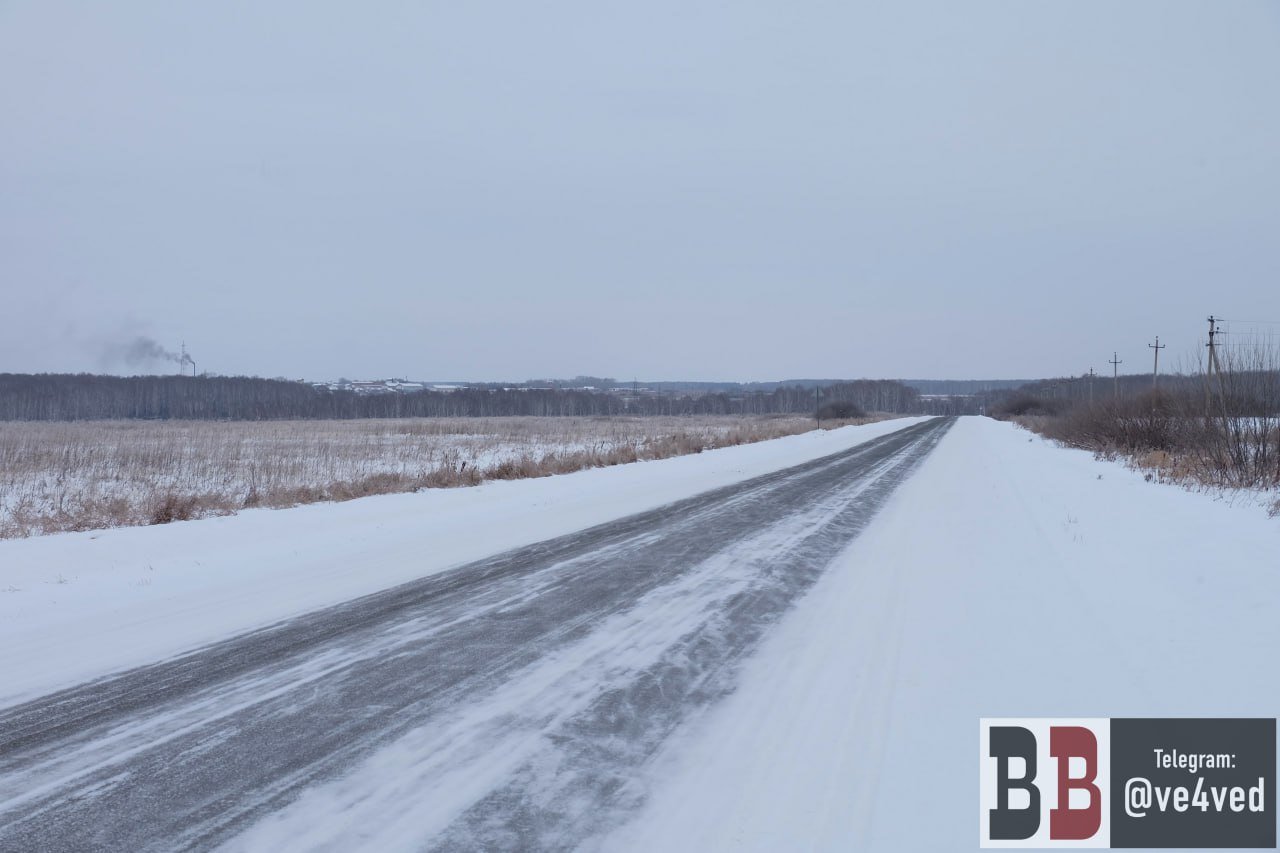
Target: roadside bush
<point x="1151" y="421"/>
<point x="172" y="507"/>
<point x="1027" y="405"/>
<point x="1173" y="433"/>
<point x="840" y="410"/>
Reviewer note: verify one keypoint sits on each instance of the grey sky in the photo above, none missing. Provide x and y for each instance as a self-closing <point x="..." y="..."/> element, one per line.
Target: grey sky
<point x="666" y="189"/>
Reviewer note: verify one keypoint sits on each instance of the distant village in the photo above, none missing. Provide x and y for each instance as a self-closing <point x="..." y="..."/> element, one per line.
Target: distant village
<point x="408" y="386"/>
<point x="383" y="386"/>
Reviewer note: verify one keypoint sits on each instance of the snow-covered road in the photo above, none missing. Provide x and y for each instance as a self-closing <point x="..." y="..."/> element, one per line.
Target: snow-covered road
<point x="1007" y="577"/>
<point x="745" y="669"/>
<point x="507" y="704"/>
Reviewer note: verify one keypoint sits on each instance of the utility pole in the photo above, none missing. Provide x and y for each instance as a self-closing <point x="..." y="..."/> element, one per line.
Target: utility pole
<point x="1091" y="375"/>
<point x="817" y="405"/>
<point x="1155" y="369"/>
<point x="1115" y="361"/>
<point x="1214" y="367"/>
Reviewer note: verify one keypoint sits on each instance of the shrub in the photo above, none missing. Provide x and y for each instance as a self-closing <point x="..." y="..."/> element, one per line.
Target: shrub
<point x="1026" y="405"/>
<point x="840" y="410"/>
<point x="172" y="507"/>
<point x="1151" y="421"/>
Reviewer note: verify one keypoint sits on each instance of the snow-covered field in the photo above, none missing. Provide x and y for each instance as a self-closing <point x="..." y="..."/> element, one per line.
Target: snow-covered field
<point x="96" y="601"/>
<point x="90" y="475"/>
<point x="1007" y="577"/>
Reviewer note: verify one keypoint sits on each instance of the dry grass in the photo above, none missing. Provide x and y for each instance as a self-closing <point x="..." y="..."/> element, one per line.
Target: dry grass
<point x="1218" y="431"/>
<point x="1227" y="454"/>
<point x="88" y="475"/>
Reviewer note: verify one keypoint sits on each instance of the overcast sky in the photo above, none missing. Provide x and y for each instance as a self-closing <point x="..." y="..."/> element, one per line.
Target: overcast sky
<point x="660" y="189"/>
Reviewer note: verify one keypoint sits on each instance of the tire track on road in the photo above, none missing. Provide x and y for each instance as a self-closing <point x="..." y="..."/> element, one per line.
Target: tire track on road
<point x="191" y="751"/>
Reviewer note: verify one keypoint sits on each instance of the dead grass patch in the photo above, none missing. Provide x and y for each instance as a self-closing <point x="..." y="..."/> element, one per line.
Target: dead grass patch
<point x="57" y="477"/>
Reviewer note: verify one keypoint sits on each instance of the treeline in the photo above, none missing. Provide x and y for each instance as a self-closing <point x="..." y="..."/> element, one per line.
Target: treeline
<point x="1082" y="389"/>
<point x="1238" y="392"/>
<point x="963" y="387"/>
<point x="71" y="397"/>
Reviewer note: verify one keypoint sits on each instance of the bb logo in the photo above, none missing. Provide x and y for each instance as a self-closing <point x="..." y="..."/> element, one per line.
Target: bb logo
<point x="1044" y="782"/>
<point x="1128" y="782"/>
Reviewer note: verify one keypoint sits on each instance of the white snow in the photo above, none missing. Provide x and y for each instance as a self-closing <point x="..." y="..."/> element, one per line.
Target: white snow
<point x="415" y="786"/>
<point x="1008" y="577"/>
<point x="75" y="606"/>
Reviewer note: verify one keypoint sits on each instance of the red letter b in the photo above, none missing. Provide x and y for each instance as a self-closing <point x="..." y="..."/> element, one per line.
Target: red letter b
<point x="1065" y="743"/>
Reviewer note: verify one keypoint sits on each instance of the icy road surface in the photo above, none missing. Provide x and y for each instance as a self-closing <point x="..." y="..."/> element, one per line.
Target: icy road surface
<point x="505" y="704"/>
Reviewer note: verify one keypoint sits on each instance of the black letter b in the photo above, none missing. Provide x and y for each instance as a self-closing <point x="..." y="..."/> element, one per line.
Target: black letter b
<point x="1014" y="824"/>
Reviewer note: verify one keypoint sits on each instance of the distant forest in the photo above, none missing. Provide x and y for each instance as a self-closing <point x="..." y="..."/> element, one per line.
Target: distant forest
<point x="70" y="397"/>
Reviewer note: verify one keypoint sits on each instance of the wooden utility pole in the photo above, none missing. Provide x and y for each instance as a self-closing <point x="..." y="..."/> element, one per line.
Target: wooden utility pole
<point x="817" y="405"/>
<point x="1115" y="361"/>
<point x="1091" y="375"/>
<point x="1155" y="369"/>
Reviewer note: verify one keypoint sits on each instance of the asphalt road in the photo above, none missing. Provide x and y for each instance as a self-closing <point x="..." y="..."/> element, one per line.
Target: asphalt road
<point x="505" y="704"/>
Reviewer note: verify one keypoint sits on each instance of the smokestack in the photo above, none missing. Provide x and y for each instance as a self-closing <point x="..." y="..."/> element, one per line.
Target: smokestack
<point x="184" y="359"/>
